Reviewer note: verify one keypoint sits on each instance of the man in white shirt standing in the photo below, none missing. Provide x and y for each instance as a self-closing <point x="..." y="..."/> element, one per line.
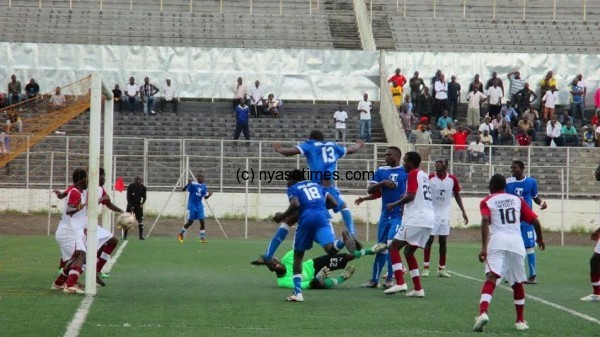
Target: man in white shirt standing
<point x="441" y="95"/>
<point x="256" y="99"/>
<point x="364" y="108"/>
<point x="339" y="118"/>
<point x="132" y="90"/>
<point x="239" y="92"/>
<point x="475" y="98"/>
<point x="169" y="95"/>
<point x="495" y="99"/>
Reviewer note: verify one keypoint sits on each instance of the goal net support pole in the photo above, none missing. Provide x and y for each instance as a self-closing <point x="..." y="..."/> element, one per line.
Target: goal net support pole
<point x="211" y="210"/>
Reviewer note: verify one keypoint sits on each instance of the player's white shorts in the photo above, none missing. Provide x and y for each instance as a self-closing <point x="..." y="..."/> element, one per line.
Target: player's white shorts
<point x="103" y="236"/>
<point x="506" y="264"/>
<point x="597" y="248"/>
<point x="69" y="243"/>
<point x="414" y="236"/>
<point x="441" y="227"/>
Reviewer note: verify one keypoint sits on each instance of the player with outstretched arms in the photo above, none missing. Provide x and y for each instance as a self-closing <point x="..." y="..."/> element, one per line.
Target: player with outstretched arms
<point x="526" y="188"/>
<point x="443" y="186"/>
<point x="417" y="223"/>
<point x="502" y="248"/>
<point x="595" y="260"/>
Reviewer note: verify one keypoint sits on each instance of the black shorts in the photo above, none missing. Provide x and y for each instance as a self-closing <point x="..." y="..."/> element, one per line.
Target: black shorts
<point x="338" y="261"/>
<point x="138" y="211"/>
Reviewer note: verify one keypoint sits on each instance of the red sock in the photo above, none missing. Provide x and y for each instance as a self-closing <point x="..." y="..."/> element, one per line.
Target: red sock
<point x="104" y="255"/>
<point x="73" y="276"/>
<point x="595" y="282"/>
<point x="426" y="257"/>
<point x="413" y="266"/>
<point x="519" y="297"/>
<point x="486" y="296"/>
<point x="397" y="266"/>
<point x="442" y="264"/>
<point x="62" y="277"/>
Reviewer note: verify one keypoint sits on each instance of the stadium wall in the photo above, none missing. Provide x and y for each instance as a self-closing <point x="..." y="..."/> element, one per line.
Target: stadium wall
<point x="578" y="214"/>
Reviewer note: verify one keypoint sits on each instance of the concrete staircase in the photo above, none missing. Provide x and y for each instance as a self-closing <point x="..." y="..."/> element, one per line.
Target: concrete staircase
<point x="342" y="24"/>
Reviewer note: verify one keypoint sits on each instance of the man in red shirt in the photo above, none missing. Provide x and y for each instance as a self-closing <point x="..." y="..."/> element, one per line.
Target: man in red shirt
<point x="398" y="78"/>
<point x="460" y="141"/>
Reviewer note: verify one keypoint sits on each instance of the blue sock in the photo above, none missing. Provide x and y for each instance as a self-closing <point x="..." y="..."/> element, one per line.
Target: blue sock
<point x="297" y="284"/>
<point x="339" y="245"/>
<point x="531" y="261"/>
<point x="390" y="271"/>
<point x="347" y="215"/>
<point x="378" y="266"/>
<point x="280" y="235"/>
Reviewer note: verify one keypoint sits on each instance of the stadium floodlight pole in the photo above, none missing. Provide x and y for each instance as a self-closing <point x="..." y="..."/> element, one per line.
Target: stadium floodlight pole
<point x="93" y="179"/>
<point x="108" y="152"/>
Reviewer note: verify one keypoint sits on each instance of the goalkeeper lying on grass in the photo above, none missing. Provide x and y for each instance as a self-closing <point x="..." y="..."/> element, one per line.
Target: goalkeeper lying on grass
<point x="315" y="272"/>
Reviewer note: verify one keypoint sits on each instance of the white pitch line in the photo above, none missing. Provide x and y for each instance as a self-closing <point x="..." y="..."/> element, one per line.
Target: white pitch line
<point x="538" y="299"/>
<point x="84" y="308"/>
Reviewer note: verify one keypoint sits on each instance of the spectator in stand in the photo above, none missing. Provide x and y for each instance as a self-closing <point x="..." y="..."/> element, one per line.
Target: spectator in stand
<point x="417" y="85"/>
<point x="147" y="92"/>
<point x="476" y="85"/>
<point x="460" y="141"/>
<point x="564" y="118"/>
<point x="589" y="137"/>
<point x="554" y="132"/>
<point x="550" y="99"/>
<point x="256" y="99"/>
<point x="495" y="95"/>
<point x="570" y="134"/>
<point x="448" y="134"/>
<point x="169" y="96"/>
<point x="581" y="83"/>
<point x="595" y="120"/>
<point x="117" y="98"/>
<point x="364" y="108"/>
<point x="523" y="139"/>
<point x="444" y="120"/>
<point x="516" y="84"/>
<point x="422" y="136"/>
<point x="242" y="116"/>
<point x="486" y="138"/>
<point x="526" y="127"/>
<point x="486" y="125"/>
<point x="441" y="95"/>
<point x="14" y="90"/>
<point x="273" y="105"/>
<point x="423" y="124"/>
<point x="509" y="113"/>
<point x="434" y="79"/>
<point x="396" y="92"/>
<point x="58" y="100"/>
<point x="534" y="117"/>
<point x="19" y="124"/>
<point x="132" y="90"/>
<point x="496" y="80"/>
<point x="577" y="101"/>
<point x="475" y="98"/>
<point x="4" y="140"/>
<point x="546" y="85"/>
<point x="408" y="119"/>
<point x="407" y="104"/>
<point x="2" y="100"/>
<point x="32" y="89"/>
<point x="426" y="103"/>
<point x="505" y="135"/>
<point x="339" y="118"/>
<point x="597" y="100"/>
<point x="453" y="96"/>
<point x="476" y="150"/>
<point x="524" y="97"/>
<point x="398" y="79"/>
<point x="239" y="92"/>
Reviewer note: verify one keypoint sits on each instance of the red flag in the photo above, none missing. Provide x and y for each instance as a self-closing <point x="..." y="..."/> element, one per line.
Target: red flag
<point x="119" y="184"/>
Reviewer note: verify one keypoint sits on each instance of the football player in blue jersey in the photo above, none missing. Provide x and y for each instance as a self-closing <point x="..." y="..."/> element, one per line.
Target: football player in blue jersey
<point x="390" y="180"/>
<point x="526" y="188"/>
<point x="309" y="200"/>
<point x="197" y="191"/>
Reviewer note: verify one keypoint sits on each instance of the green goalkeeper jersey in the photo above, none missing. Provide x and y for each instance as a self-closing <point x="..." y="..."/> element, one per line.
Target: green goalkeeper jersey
<point x="308" y="272"/>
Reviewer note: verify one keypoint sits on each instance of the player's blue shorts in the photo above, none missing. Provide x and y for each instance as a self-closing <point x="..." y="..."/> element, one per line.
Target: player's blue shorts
<point x="338" y="197"/>
<point x="313" y="226"/>
<point x="528" y="234"/>
<point x="387" y="228"/>
<point x="196" y="215"/>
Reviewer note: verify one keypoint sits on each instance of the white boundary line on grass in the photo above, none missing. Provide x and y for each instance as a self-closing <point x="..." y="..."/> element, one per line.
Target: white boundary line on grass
<point x="84" y="308"/>
<point x="538" y="299"/>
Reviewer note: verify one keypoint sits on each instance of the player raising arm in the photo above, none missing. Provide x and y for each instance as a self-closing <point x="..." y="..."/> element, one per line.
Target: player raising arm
<point x="502" y="248"/>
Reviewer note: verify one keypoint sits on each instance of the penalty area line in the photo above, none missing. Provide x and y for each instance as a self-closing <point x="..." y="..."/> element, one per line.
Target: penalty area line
<point x="538" y="299"/>
<point x="78" y="320"/>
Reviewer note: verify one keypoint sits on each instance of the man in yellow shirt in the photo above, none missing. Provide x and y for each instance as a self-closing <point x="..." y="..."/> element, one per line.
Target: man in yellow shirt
<point x="396" y="91"/>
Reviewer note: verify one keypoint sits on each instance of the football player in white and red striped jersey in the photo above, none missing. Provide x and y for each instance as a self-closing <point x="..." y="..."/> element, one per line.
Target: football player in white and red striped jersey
<point x="595" y="261"/>
<point x="417" y="223"/>
<point x="443" y="186"/>
<point x="502" y="248"/>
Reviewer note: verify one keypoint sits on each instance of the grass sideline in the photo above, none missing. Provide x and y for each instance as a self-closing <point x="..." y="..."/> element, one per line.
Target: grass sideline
<point x="162" y="288"/>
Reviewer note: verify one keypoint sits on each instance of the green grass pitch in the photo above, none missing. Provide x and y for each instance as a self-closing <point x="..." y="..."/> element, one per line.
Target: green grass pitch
<point x="160" y="287"/>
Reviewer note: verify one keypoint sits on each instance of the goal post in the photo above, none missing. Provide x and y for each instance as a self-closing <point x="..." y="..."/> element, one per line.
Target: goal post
<point x="98" y="93"/>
